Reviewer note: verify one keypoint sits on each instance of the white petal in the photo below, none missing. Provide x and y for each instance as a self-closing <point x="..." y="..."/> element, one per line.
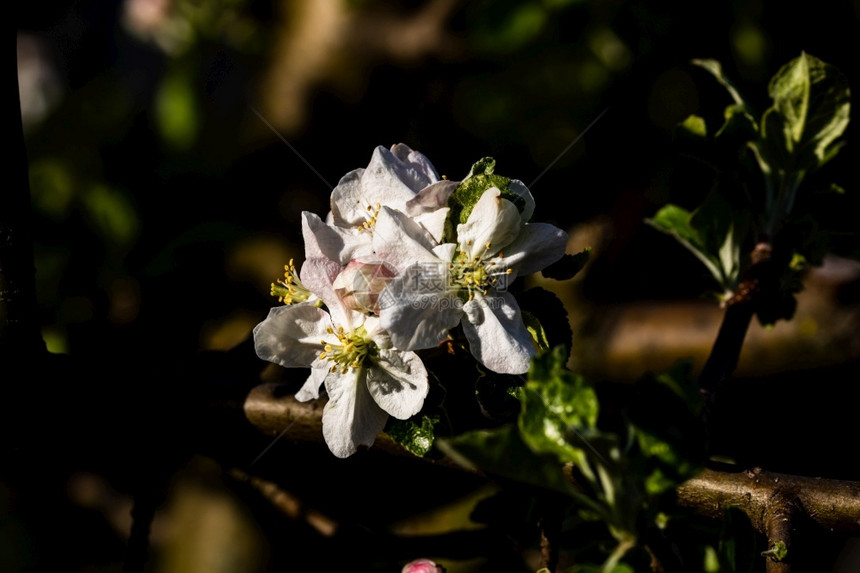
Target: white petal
<point x="537" y="246"/>
<point x="493" y="220"/>
<point x="310" y="390"/>
<point x="518" y="187"/>
<point x="351" y="417"/>
<point x="430" y="209"/>
<point x="413" y="167"/>
<point x="445" y="251"/>
<point x="401" y="242"/>
<point x="390" y="179"/>
<point x="291" y="335"/>
<point x="347" y="207"/>
<point x="398" y="382"/>
<point x="496" y="333"/>
<point x="417" y="309"/>
<point x="341" y="245"/>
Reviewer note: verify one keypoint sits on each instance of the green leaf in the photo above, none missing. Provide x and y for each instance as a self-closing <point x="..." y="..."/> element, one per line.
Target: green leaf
<point x="558" y="409"/>
<point x="665" y="414"/>
<point x="551" y="316"/>
<point x="777" y="552"/>
<point x="694" y="125"/>
<point x="714" y="232"/>
<point x="811" y="106"/>
<point x="716" y="70"/>
<point x="481" y="177"/>
<point x="498" y="396"/>
<point x="416" y="436"/>
<point x="538" y="334"/>
<point x="568" y="266"/>
<point x="739" y="125"/>
<point x="503" y="453"/>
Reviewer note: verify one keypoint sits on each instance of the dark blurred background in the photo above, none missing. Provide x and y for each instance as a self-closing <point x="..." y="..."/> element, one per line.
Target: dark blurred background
<point x="173" y="145"/>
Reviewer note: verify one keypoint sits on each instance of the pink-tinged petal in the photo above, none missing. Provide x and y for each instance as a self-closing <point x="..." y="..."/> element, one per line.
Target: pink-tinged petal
<point x="497" y="336"/>
<point x="360" y="284"/>
<point x="318" y="276"/>
<point x="518" y="187"/>
<point x="537" y="246"/>
<point x="291" y="335"/>
<point x="494" y="221"/>
<point x="418" y="309"/>
<point x="401" y="242"/>
<point x="351" y="418"/>
<point x="326" y="241"/>
<point x="398" y="382"/>
<point x="310" y="390"/>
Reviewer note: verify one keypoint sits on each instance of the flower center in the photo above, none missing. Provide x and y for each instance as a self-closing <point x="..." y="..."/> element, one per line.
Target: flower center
<point x="372" y="215"/>
<point x="290" y="289"/>
<point x="349" y="351"/>
<point x="476" y="273"/>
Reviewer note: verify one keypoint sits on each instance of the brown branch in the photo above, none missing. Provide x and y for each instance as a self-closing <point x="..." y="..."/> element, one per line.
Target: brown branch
<point x="767" y="498"/>
<point x="274" y="412"/>
<point x="740" y="309"/>
<point x="779" y="526"/>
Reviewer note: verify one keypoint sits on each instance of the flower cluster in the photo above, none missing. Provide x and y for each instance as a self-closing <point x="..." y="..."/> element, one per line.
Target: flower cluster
<point x="403" y="259"/>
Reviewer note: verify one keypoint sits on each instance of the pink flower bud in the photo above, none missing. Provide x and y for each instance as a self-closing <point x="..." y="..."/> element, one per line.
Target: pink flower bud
<point x="422" y="566"/>
<point x="360" y="284"/>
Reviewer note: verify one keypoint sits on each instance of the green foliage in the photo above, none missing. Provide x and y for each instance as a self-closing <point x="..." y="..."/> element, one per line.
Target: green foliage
<point x="545" y="314"/>
<point x="502" y="452"/>
<point x="714" y="233"/>
<point x="416" y="435"/>
<point x="558" y="409"/>
<point x="799" y="133"/>
<point x="811" y="104"/>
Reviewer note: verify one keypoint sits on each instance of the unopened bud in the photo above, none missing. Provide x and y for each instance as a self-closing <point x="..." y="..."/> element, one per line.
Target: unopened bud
<point x="360" y="284"/>
<point x="422" y="566"/>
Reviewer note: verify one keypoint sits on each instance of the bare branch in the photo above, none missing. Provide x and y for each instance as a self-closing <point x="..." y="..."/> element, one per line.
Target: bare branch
<point x="766" y="498"/>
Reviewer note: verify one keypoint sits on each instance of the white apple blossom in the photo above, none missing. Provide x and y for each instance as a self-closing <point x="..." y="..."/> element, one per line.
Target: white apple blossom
<point x="399" y="178"/>
<point x="440" y="286"/>
<point x="366" y="379"/>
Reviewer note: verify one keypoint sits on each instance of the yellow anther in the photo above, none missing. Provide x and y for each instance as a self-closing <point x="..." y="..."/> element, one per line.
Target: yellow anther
<point x="322" y="355"/>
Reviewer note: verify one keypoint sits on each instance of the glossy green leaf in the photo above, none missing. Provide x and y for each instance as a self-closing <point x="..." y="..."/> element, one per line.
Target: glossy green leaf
<point x="503" y="453"/>
<point x="559" y="409"/>
<point x="811" y="106"/>
<point x="416" y="436"/>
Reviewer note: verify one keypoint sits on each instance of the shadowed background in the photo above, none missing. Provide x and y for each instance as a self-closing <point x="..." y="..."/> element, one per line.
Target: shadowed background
<point x="166" y="201"/>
